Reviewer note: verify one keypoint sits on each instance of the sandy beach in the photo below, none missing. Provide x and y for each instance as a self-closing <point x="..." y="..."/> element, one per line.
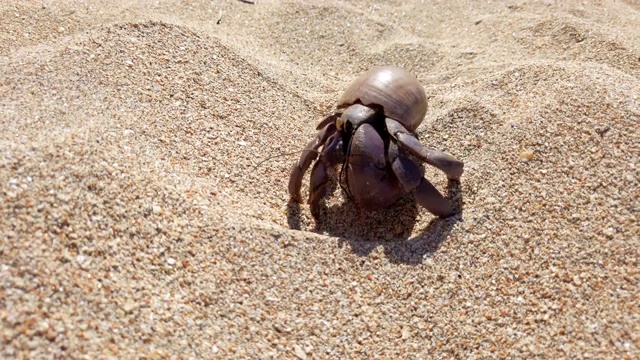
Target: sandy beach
<point x="138" y="222"/>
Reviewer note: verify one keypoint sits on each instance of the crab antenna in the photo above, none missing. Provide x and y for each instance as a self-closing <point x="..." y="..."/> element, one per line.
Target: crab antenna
<point x="346" y="180"/>
<point x="281" y="155"/>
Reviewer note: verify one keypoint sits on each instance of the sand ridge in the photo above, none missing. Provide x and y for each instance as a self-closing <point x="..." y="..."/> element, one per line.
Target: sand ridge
<point x="137" y="224"/>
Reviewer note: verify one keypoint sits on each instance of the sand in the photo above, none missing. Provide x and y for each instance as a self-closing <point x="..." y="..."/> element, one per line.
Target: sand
<point x="135" y="222"/>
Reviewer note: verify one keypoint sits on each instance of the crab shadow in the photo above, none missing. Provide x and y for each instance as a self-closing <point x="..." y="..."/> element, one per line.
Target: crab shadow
<point x="363" y="231"/>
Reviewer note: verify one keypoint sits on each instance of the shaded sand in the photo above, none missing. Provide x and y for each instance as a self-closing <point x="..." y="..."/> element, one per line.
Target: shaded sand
<point x="134" y="221"/>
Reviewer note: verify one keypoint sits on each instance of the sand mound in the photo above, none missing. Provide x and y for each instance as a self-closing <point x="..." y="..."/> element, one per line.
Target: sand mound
<point x="135" y="220"/>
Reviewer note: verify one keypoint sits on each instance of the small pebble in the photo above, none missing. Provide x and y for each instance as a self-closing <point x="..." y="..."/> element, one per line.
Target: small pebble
<point x="129" y="306"/>
<point x="300" y="354"/>
<point x="51" y="335"/>
<point x="526" y="155"/>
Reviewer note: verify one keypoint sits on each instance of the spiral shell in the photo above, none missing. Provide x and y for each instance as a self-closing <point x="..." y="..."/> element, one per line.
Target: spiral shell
<point x="399" y="93"/>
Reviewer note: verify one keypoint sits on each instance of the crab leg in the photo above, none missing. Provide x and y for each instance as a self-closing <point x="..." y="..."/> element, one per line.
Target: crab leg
<point x="319" y="173"/>
<point x="451" y="166"/>
<point x="309" y="154"/>
<point x="431" y="199"/>
<point x="410" y="178"/>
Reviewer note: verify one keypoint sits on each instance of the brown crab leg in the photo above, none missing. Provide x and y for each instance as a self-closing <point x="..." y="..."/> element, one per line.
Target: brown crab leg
<point x="431" y="199"/>
<point x="309" y="154"/>
<point x="319" y="173"/>
<point x="410" y="178"/>
<point x="451" y="166"/>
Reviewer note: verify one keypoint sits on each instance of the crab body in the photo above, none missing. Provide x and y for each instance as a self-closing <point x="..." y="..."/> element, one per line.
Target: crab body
<point x="372" y="134"/>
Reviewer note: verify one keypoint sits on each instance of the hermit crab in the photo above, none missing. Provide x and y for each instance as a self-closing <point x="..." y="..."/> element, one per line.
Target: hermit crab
<point x="372" y="135"/>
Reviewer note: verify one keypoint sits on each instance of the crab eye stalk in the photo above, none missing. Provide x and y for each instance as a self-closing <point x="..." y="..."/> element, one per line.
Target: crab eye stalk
<point x="339" y="123"/>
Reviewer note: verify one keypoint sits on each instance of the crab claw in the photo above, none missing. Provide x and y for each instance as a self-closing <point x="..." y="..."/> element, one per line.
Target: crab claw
<point x="411" y="178"/>
<point x="367" y="177"/>
<point x="451" y="166"/>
